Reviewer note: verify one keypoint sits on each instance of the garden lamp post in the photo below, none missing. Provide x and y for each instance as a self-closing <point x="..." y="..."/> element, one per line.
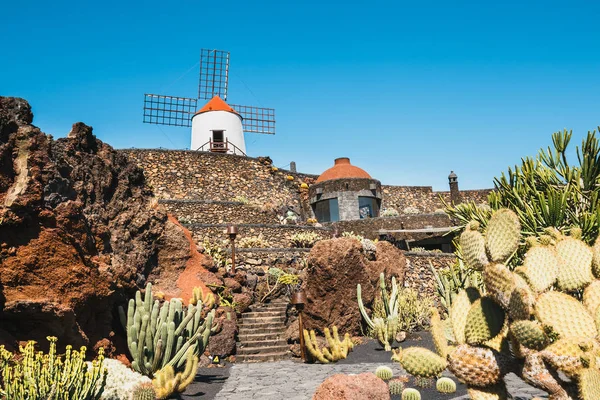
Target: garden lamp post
<point x="232" y="232"/>
<point x="299" y="300"/>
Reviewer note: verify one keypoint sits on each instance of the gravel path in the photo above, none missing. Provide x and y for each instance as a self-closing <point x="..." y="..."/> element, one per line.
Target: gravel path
<point x="294" y="380"/>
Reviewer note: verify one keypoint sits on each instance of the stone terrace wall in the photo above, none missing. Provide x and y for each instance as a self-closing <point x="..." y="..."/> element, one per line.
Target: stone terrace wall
<point x="218" y="212"/>
<point x="418" y="274"/>
<point x="184" y="174"/>
<point x="424" y="199"/>
<point x="369" y="227"/>
<point x="258" y="261"/>
<point x="274" y="235"/>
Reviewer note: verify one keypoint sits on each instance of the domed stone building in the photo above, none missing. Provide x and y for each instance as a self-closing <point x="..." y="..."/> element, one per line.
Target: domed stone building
<point x="345" y="192"/>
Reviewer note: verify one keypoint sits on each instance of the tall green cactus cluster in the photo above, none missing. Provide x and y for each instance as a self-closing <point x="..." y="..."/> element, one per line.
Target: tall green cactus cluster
<point x="539" y="317"/>
<point x="38" y="376"/>
<point x="385" y="328"/>
<point x="336" y="349"/>
<point x="168" y="382"/>
<point x="161" y="335"/>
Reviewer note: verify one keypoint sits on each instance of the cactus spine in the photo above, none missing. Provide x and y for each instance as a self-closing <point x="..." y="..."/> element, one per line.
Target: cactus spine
<point x="385" y="329"/>
<point x="167" y="382"/>
<point x="144" y="391"/>
<point x="160" y="335"/>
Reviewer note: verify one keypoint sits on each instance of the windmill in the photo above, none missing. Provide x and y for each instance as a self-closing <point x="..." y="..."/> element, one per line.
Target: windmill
<point x="217" y="126"/>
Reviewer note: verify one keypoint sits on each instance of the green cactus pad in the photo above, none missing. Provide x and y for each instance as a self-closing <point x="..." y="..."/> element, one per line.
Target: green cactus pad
<point x="396" y="387"/>
<point x="459" y="311"/>
<point x="591" y="297"/>
<point x="472" y="244"/>
<point x="478" y="366"/>
<point x="575" y="271"/>
<point x="540" y="267"/>
<point x="596" y="258"/>
<point x="419" y="361"/>
<point x="521" y="300"/>
<point x="445" y="385"/>
<point x="411" y="394"/>
<point x="383" y="372"/>
<point x="499" y="283"/>
<point x="597" y="319"/>
<point x="438" y="334"/>
<point x="529" y="334"/>
<point x="484" y="321"/>
<point x="588" y="383"/>
<point x="495" y="392"/>
<point x="566" y="355"/>
<point x="565" y="315"/>
<point x="502" y="235"/>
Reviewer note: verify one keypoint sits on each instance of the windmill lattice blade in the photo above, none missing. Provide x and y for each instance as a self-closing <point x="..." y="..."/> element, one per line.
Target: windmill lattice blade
<point x="169" y="110"/>
<point x="257" y="119"/>
<point x="214" y="74"/>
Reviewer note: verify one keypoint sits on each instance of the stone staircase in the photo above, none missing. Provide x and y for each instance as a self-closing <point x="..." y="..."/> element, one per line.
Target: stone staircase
<point x="261" y="333"/>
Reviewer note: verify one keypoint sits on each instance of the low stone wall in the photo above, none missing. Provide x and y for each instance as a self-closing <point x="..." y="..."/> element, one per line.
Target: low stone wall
<point x="194" y="175"/>
<point x="210" y="212"/>
<point x="424" y="199"/>
<point x="258" y="261"/>
<point x="369" y="227"/>
<point x="418" y="274"/>
<point x="274" y="235"/>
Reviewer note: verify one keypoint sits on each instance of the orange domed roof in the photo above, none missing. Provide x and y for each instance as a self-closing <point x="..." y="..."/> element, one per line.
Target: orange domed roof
<point x="216" y="104"/>
<point x="343" y="169"/>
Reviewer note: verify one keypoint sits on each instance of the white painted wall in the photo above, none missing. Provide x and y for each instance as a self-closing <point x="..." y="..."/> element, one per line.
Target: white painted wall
<point x="203" y="124"/>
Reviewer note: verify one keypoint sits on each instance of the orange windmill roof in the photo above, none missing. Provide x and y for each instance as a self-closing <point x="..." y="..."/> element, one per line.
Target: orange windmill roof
<point x="343" y="169"/>
<point x="216" y="104"/>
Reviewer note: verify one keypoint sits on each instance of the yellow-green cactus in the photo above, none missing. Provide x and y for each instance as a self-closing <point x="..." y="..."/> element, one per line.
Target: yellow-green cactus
<point x="588" y="382"/>
<point x="575" y="270"/>
<point x="484" y="321"/>
<point x="591" y="297"/>
<point x="411" y="394"/>
<point x="438" y="334"/>
<point x="566" y="315"/>
<point x="166" y="382"/>
<point x="384" y="372"/>
<point x="472" y="244"/>
<point x="445" y="385"/>
<point x="206" y="299"/>
<point x="419" y="361"/>
<point x="499" y="282"/>
<point x="337" y="349"/>
<point x="495" y="392"/>
<point x="502" y="235"/>
<point x="540" y="267"/>
<point x="459" y="311"/>
<point x="529" y="334"/>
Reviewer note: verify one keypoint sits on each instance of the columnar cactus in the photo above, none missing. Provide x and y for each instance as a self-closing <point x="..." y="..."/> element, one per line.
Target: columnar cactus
<point x="167" y="381"/>
<point x="538" y="318"/>
<point x="385" y="329"/>
<point x="37" y="376"/>
<point x="337" y="349"/>
<point x="160" y="335"/>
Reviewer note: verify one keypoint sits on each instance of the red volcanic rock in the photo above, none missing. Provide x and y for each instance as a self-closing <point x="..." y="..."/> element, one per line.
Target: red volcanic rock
<point x="223" y="343"/>
<point x="352" y="387"/>
<point x="79" y="232"/>
<point x="337" y="266"/>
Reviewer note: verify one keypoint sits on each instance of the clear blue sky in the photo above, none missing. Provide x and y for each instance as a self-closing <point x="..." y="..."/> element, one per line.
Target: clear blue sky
<point x="407" y="90"/>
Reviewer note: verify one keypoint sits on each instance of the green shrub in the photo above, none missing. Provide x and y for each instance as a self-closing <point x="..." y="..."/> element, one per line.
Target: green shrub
<point x="305" y="239"/>
<point x="251" y="242"/>
<point x="241" y="199"/>
<point x="352" y="235"/>
<point x="413" y="310"/>
<point x="390" y="212"/>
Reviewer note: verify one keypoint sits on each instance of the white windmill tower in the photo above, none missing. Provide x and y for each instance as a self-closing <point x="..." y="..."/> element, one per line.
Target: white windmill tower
<point x="217" y="126"/>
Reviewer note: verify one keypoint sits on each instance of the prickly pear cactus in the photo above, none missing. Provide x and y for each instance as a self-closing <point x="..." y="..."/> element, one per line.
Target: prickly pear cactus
<point x="539" y="316"/>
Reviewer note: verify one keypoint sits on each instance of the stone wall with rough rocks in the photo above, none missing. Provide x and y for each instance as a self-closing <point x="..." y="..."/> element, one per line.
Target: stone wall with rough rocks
<point x="273" y="235"/>
<point x="219" y="212"/>
<point x="410" y="199"/>
<point x="370" y="227"/>
<point x="193" y="175"/>
<point x="418" y="274"/>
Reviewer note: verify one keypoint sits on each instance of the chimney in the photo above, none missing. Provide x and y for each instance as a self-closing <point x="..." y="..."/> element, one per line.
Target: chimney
<point x="293" y="166"/>
<point x="454" y="192"/>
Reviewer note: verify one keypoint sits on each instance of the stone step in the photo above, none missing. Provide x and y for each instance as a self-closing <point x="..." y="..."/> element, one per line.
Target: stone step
<point x="262" y="320"/>
<point x="262" y="350"/>
<point x="256" y="314"/>
<point x="252" y="325"/>
<point x="262" y="357"/>
<point x="261" y="343"/>
<point x="269" y="307"/>
<point x="258" y="337"/>
<point x="261" y="331"/>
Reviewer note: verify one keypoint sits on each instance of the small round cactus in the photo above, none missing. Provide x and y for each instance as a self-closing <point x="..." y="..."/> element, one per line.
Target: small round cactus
<point x="384" y="373"/>
<point x="396" y="387"/>
<point x="411" y="394"/>
<point x="145" y="391"/>
<point x="445" y="385"/>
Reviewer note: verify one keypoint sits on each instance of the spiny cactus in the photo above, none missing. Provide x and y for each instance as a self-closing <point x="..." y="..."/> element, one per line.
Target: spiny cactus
<point x="37" y="376"/>
<point x="167" y="382"/>
<point x="159" y="335"/>
<point x="445" y="385"/>
<point x="396" y="387"/>
<point x="411" y="394"/>
<point x="336" y="349"/>
<point x="385" y="329"/>
<point x="144" y="392"/>
<point x="383" y="372"/>
<point x="540" y="316"/>
<point x="206" y="299"/>
<point x="419" y="361"/>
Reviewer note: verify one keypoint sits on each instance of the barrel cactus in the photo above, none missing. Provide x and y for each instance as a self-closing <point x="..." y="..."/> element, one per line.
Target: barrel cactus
<point x="411" y="394"/>
<point x="445" y="385"/>
<point x="539" y="317"/>
<point x="383" y="372"/>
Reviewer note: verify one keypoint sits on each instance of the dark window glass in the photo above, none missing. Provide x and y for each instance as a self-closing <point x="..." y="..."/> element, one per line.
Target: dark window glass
<point x="368" y="207"/>
<point x="327" y="210"/>
<point x="218" y="136"/>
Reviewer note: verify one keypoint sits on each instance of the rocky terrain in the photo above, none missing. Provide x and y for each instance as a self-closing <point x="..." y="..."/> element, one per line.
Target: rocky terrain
<point x="80" y="231"/>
